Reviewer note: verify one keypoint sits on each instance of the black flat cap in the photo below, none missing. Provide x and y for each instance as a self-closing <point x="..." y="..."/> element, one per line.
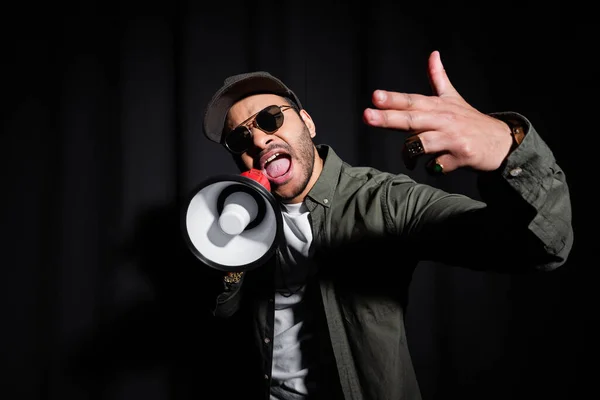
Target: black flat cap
<point x="235" y="88"/>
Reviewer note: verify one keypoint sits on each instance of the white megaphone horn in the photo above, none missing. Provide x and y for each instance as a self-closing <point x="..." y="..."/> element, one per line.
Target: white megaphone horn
<point x="232" y="222"/>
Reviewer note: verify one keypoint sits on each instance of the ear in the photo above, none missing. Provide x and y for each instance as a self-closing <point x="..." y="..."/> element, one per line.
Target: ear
<point x="308" y="122"/>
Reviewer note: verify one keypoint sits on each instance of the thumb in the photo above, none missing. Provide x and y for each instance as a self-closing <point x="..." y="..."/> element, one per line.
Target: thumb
<point x="440" y="83"/>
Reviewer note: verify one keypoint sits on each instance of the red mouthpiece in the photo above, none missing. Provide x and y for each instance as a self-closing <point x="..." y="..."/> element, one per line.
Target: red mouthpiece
<point x="258" y="176"/>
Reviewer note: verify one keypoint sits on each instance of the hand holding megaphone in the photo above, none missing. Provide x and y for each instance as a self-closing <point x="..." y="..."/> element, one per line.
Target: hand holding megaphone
<point x="232" y="222"/>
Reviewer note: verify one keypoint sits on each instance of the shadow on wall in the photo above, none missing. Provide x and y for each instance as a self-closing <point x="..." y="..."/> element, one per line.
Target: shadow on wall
<point x="169" y="331"/>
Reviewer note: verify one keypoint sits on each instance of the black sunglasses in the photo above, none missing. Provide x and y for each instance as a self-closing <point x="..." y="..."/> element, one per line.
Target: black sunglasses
<point x="268" y="120"/>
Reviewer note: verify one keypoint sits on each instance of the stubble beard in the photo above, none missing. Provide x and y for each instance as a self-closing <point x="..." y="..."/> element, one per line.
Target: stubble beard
<point x="303" y="155"/>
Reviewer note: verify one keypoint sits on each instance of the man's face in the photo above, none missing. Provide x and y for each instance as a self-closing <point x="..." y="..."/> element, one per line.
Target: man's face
<point x="288" y="156"/>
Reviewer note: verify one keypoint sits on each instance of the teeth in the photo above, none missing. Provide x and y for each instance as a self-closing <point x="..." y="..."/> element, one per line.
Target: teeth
<point x="271" y="158"/>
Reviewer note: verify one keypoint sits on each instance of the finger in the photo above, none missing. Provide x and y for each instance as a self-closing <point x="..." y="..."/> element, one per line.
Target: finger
<point x="441" y="164"/>
<point x="440" y="83"/>
<point x="429" y="142"/>
<point x="435" y="142"/>
<point x="413" y="121"/>
<point x="384" y="99"/>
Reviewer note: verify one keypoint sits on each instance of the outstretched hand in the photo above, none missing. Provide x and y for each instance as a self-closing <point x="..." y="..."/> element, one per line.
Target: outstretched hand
<point x="451" y="130"/>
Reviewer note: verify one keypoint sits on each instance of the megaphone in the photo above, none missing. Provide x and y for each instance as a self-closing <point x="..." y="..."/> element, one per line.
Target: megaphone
<point x="232" y="222"/>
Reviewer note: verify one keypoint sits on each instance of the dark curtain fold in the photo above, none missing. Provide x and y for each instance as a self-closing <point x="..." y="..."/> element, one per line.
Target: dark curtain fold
<point x="101" y="145"/>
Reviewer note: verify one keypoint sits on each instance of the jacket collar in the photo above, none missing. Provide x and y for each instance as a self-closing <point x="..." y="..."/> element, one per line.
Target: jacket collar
<point x="323" y="190"/>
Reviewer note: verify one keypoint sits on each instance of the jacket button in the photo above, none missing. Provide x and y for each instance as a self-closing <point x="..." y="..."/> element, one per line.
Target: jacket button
<point x="267" y="340"/>
<point x="515" y="171"/>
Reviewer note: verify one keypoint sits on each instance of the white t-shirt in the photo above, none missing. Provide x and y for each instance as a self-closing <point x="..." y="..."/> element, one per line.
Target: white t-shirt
<point x="292" y="323"/>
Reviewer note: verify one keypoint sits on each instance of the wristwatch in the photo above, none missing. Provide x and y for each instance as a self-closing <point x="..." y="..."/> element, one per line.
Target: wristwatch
<point x="516" y="131"/>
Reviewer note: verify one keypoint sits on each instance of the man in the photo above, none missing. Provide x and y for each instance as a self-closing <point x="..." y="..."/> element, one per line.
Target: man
<point x="326" y="313"/>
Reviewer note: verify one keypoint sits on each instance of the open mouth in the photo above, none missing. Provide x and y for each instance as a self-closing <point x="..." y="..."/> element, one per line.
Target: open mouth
<point x="277" y="166"/>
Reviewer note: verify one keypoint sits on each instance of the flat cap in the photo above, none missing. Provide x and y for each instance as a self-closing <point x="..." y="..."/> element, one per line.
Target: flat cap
<point x="235" y="88"/>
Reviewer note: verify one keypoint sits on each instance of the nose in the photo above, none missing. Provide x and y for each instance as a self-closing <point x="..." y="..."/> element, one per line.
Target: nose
<point x="260" y="139"/>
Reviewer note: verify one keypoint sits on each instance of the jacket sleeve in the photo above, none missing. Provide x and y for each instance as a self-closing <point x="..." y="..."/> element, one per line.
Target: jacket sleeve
<point x="532" y="172"/>
<point x="227" y="301"/>
<point x="522" y="222"/>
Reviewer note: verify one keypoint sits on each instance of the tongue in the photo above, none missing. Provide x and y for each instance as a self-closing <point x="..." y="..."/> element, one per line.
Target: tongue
<point x="278" y="167"/>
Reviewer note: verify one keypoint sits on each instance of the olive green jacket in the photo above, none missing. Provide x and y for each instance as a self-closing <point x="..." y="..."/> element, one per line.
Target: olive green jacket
<point x="371" y="229"/>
